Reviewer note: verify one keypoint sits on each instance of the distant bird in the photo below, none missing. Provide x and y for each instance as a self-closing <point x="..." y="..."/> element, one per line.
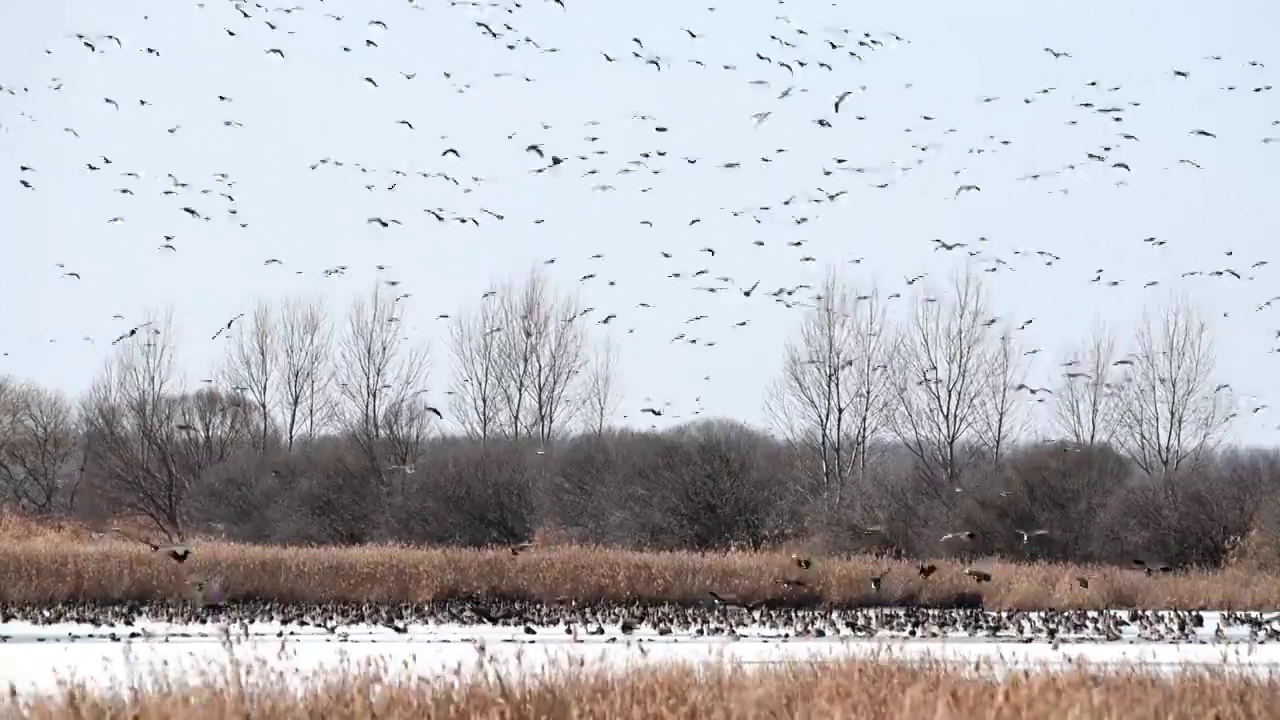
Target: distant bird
<point x="801" y="562"/>
<point x="967" y="188"/>
<point x="979" y="576"/>
<point x="434" y="411"/>
<point x="841" y="98"/>
<point x="652" y="411"/>
<point x="176" y="552"/>
<point x="965" y="535"/>
<point x="517" y="549"/>
<point x="1083" y="582"/>
<point x="926" y="570"/>
<point x="1028" y="534"/>
<point x="276" y="51"/>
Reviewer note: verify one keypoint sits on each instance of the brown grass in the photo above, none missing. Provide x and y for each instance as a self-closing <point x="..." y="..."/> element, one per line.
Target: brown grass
<point x="865" y="688"/>
<point x="39" y="565"/>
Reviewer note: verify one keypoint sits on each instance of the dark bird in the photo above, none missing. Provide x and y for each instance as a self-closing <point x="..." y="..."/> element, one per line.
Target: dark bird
<point x="652" y="411"/>
<point x="435" y="412"/>
<point x="841" y="98"/>
<point x="803" y="563"/>
<point x="979" y="576"/>
<point x="276" y="51"/>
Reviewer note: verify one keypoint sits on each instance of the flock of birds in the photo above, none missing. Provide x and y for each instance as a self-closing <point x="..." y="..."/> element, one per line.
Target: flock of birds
<point x="342" y="622"/>
<point x="807" y="78"/>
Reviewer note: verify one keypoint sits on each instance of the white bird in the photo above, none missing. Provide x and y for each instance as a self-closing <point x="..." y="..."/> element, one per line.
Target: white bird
<point x="1028" y="534"/>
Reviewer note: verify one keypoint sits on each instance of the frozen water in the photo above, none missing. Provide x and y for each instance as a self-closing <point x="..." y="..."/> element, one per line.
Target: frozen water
<point x="34" y="657"/>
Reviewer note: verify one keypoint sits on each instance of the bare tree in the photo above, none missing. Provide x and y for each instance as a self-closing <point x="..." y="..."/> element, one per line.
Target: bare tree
<point x="1003" y="417"/>
<point x="253" y="356"/>
<point x="831" y="400"/>
<point x="1086" y="399"/>
<point x="303" y="395"/>
<point x="150" y="443"/>
<point x="601" y="388"/>
<point x="941" y="381"/>
<point x="522" y="358"/>
<point x="380" y="376"/>
<point x="36" y="459"/>
<point x="1171" y="411"/>
<point x="477" y="375"/>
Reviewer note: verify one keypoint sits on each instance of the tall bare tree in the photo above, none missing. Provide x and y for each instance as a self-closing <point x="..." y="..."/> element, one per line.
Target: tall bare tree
<point x="37" y="449"/>
<point x="251" y="367"/>
<point x="1171" y="409"/>
<point x="601" y="388"/>
<point x="941" y="381"/>
<point x="1004" y="413"/>
<point x="832" y="398"/>
<point x="151" y="442"/>
<point x="477" y="375"/>
<point x="1086" y="399"/>
<point x="519" y="360"/>
<point x="304" y="399"/>
<point x="381" y="375"/>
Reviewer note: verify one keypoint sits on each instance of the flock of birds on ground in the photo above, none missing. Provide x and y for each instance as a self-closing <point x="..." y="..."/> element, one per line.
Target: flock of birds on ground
<point x="800" y="73"/>
<point x="798" y="611"/>
<point x="356" y="622"/>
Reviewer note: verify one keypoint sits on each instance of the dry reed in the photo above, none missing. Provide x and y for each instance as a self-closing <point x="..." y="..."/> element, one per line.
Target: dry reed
<point x="40" y="564"/>
<point x="880" y="688"/>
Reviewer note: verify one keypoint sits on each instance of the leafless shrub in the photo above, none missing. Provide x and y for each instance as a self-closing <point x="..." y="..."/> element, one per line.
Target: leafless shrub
<point x="831" y="401"/>
<point x="710" y="487"/>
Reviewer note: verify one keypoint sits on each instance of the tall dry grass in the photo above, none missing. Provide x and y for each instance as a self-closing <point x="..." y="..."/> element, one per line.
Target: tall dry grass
<point x="865" y="688"/>
<point x="41" y="565"/>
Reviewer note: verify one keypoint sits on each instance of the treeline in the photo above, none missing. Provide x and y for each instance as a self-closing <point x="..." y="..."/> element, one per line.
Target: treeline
<point x="887" y="432"/>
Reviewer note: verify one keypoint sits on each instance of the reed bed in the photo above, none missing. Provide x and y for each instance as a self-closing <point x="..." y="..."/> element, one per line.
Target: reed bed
<point x="43" y="566"/>
<point x="880" y="688"/>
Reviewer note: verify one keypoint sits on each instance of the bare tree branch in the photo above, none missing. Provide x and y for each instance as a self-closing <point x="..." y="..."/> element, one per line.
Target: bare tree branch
<point x="1086" y="399"/>
<point x="602" y="398"/>
<point x="473" y="342"/>
<point x="1003" y="417"/>
<point x="304" y="398"/>
<point x="251" y="367"/>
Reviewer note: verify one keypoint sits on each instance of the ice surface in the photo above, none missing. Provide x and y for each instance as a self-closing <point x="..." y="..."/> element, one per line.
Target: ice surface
<point x="35" y="657"/>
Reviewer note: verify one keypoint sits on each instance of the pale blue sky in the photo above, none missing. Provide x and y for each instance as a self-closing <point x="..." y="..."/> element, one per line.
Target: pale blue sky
<point x="314" y="104"/>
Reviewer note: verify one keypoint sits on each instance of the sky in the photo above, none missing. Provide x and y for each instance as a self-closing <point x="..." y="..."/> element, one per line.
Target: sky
<point x="975" y="70"/>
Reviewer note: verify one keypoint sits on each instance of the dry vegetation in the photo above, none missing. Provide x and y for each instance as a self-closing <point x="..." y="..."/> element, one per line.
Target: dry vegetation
<point x="877" y="688"/>
<point x="41" y="565"/>
<point x="889" y="430"/>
